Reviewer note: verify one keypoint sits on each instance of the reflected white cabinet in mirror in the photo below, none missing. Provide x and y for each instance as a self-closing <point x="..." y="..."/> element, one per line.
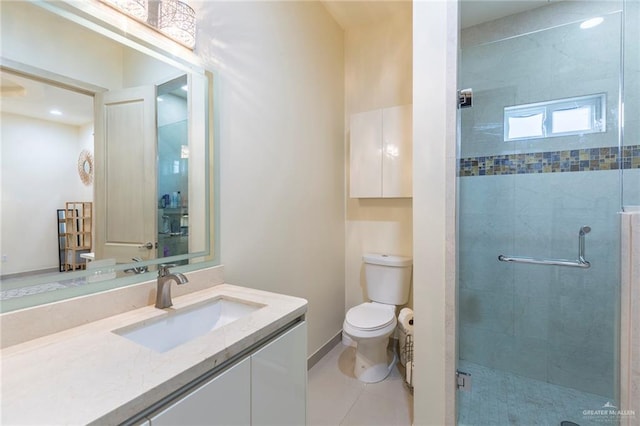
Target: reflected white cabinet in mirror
<point x="107" y="68"/>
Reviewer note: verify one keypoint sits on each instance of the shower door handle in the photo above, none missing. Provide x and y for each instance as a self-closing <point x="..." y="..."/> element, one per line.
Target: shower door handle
<point x="580" y="263"/>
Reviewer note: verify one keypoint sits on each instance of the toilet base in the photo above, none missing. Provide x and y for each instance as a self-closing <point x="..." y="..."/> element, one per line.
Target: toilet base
<point x="347" y="341"/>
<point x="371" y="364"/>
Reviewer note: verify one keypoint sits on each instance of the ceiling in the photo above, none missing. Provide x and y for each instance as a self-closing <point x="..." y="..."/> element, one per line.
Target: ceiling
<point x="351" y="13"/>
<point x="24" y="96"/>
<point x="474" y="12"/>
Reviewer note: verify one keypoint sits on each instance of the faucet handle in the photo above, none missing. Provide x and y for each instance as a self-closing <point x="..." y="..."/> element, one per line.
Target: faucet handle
<point x="163" y="269"/>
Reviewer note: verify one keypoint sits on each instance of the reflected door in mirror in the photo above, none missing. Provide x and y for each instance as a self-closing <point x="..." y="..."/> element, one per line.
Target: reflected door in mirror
<point x="125" y="156"/>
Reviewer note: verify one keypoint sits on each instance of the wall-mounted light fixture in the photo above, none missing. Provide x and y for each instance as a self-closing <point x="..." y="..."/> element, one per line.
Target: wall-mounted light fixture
<point x="138" y="9"/>
<point x="178" y="21"/>
<point x="173" y="18"/>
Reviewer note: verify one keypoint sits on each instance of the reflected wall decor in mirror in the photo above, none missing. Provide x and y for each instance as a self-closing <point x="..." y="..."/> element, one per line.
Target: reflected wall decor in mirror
<point x="93" y="116"/>
<point x="85" y="167"/>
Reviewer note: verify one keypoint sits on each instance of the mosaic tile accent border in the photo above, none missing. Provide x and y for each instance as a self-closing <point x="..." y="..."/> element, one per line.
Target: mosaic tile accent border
<point x="575" y="160"/>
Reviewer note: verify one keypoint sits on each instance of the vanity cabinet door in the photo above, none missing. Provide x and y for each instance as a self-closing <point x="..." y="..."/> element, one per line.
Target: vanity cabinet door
<point x="225" y="400"/>
<point x="279" y="380"/>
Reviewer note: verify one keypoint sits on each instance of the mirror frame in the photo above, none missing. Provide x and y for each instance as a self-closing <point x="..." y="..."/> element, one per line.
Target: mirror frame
<point x="105" y="21"/>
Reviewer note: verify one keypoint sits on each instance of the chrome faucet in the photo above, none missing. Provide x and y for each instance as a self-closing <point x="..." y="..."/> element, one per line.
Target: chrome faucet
<point x="163" y="294"/>
<point x="137" y="269"/>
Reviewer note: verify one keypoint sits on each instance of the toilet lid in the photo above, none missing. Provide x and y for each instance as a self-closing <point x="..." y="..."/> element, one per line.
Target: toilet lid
<point x="370" y="316"/>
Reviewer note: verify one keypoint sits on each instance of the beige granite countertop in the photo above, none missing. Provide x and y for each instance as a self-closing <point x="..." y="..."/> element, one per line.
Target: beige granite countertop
<point x="88" y="374"/>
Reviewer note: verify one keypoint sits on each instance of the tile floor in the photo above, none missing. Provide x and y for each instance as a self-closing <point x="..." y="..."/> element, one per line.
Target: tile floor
<point x="501" y="398"/>
<point x="336" y="397"/>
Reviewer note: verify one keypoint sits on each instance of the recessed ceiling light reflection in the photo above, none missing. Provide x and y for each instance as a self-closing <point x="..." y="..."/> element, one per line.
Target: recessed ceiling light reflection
<point x="593" y="22"/>
<point x="55" y="112"/>
<point x="185" y="88"/>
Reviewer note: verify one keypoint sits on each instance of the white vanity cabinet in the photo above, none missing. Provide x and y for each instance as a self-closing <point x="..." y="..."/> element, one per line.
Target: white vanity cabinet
<point x="267" y="387"/>
<point x="381" y="156"/>
<point x="279" y="380"/>
<point x="224" y="400"/>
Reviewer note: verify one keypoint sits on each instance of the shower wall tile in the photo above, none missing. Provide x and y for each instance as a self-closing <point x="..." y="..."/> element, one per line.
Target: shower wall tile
<point x="525" y="356"/>
<point x="481" y="273"/>
<point x="536" y="20"/>
<point x="533" y="281"/>
<point x="631" y="187"/>
<point x="554" y="312"/>
<point x="532" y="318"/>
<point x="487" y="310"/>
<point x="537" y="67"/>
<point x="482" y="346"/>
<point x="580" y="368"/>
<point x="631" y="99"/>
<point x="579" y="321"/>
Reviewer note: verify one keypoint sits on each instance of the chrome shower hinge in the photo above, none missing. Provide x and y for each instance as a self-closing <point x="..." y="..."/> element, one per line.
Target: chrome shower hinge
<point x="465" y="98"/>
<point x="463" y="380"/>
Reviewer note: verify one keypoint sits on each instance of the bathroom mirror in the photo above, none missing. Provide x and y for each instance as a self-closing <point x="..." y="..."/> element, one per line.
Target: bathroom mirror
<point x="140" y="135"/>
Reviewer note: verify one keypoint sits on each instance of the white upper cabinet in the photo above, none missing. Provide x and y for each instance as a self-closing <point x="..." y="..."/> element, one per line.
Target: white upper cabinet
<point x="397" y="149"/>
<point x="381" y="153"/>
<point x="366" y="154"/>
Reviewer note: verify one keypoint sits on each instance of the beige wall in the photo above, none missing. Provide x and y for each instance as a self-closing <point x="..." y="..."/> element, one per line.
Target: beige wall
<point x="39" y="174"/>
<point x="280" y="104"/>
<point x="378" y="73"/>
<point x="86" y="57"/>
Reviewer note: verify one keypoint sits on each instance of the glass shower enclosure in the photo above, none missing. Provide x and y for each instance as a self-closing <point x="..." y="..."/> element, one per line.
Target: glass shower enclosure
<point x="540" y="187"/>
<point x="173" y="169"/>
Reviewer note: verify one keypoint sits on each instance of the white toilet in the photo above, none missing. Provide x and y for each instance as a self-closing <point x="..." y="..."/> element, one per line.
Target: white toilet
<point x="369" y="325"/>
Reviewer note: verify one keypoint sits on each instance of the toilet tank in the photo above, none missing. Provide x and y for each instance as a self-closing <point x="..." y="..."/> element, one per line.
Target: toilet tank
<point x="388" y="278"/>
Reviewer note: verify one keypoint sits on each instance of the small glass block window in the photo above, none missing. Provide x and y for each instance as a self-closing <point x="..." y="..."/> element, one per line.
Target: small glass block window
<point x="571" y="116"/>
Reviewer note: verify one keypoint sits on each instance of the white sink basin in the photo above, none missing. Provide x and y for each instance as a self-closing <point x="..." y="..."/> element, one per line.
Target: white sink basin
<point x="184" y="325"/>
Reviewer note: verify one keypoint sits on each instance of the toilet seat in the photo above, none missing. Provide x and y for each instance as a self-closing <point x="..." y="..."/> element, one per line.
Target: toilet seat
<point x="370" y="316"/>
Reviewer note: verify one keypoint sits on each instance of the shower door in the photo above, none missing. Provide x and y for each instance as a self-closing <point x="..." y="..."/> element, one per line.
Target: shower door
<point x="539" y="195"/>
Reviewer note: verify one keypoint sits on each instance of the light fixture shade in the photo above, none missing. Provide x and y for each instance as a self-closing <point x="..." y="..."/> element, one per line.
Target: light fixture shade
<point x="178" y="21"/>
<point x="138" y="9"/>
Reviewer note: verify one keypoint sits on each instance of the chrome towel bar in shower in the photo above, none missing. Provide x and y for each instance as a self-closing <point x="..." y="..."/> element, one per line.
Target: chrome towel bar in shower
<point x="580" y="263"/>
